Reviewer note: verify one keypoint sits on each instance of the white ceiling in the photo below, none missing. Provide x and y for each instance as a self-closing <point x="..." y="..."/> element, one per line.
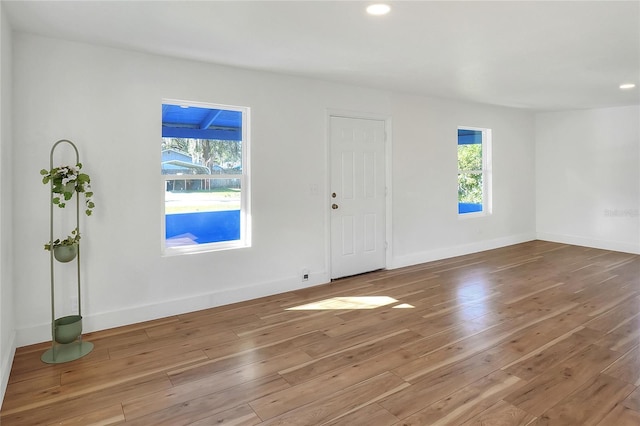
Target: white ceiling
<point x="541" y="55"/>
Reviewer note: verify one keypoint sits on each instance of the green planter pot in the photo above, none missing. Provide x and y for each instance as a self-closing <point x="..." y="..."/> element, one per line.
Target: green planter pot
<point x="65" y="254"/>
<point x="68" y="329"/>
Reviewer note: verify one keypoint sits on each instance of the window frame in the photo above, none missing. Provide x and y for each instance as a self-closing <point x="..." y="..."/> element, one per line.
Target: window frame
<point x="486" y="172"/>
<point x="245" y="188"/>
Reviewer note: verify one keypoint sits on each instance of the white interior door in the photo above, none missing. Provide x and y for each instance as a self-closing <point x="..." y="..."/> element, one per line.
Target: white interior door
<point x="357" y="195"/>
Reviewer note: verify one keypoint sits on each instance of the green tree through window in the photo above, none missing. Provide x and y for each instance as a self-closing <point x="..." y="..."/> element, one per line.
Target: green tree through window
<point x="472" y="170"/>
<point x="470" y="174"/>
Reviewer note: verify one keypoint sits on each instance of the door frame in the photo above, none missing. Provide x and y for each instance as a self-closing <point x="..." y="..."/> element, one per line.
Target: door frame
<point x="330" y="112"/>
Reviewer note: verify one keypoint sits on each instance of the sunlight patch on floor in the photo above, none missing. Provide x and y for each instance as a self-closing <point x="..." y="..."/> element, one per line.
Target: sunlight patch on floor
<point x="403" y="306"/>
<point x="353" y="302"/>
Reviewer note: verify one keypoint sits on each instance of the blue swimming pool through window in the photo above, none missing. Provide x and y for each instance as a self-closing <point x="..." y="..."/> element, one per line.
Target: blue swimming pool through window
<point x="469" y="208"/>
<point x="203" y="227"/>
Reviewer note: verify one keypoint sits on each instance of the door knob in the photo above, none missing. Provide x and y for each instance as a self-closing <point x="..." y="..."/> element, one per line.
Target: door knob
<point x="334" y="206"/>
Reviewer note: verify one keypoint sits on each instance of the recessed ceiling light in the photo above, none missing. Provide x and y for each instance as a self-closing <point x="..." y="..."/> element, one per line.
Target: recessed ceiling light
<point x="378" y="9"/>
<point x="627" y="86"/>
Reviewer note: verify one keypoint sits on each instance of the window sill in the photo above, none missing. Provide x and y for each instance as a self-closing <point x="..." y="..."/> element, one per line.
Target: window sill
<point x="204" y="248"/>
<point x="472" y="215"/>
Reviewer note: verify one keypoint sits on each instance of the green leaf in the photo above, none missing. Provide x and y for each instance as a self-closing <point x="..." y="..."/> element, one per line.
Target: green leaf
<point x="470" y="157"/>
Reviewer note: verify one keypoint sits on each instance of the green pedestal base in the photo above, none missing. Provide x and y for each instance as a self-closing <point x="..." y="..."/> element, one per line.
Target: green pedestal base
<point x="66" y="353"/>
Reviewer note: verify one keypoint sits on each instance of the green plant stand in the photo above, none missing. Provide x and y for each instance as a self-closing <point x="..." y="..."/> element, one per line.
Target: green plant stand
<point x="66" y="332"/>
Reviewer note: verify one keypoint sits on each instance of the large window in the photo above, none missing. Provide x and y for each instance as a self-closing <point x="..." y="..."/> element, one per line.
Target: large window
<point x="474" y="171"/>
<point x="204" y="176"/>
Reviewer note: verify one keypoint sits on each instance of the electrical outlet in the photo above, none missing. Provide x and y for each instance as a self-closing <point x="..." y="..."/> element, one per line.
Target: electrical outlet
<point x="305" y="274"/>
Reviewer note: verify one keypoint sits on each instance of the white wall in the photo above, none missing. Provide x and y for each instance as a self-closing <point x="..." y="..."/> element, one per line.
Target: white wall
<point x="108" y="102"/>
<point x="588" y="177"/>
<point x="425" y="203"/>
<point x="7" y="330"/>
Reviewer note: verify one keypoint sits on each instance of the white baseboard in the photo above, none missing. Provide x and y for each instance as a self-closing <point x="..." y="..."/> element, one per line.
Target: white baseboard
<point x="5" y="368"/>
<point x="459" y="250"/>
<point x="135" y="314"/>
<point x="590" y="242"/>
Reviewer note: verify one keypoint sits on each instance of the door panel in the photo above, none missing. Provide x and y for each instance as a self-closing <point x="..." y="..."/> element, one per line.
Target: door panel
<point x="358" y="181"/>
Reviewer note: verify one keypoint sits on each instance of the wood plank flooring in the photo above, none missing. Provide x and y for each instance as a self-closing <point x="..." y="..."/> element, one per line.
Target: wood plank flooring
<point x="532" y="334"/>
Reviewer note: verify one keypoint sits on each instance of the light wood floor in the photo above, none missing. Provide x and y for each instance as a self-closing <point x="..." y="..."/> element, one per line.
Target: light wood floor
<point x="533" y="334"/>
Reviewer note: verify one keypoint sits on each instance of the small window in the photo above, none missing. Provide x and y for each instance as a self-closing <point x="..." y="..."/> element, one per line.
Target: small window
<point x="474" y="171"/>
<point x="205" y="177"/>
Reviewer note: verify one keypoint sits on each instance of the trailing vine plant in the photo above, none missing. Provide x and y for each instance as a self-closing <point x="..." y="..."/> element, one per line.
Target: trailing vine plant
<point x="65" y="181"/>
